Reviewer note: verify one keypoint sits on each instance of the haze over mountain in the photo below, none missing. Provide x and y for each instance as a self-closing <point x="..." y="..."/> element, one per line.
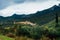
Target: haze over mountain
<point x="40" y="17"/>
<point x="9" y="7"/>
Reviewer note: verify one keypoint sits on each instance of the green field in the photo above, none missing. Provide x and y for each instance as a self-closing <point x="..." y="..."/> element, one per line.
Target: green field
<point x="5" y="38"/>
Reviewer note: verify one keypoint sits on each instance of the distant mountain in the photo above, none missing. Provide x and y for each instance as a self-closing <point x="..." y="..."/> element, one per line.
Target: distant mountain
<point x="40" y="17"/>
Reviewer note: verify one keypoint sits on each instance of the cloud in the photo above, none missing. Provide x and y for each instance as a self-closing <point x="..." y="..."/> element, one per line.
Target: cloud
<point x="6" y="3"/>
<point x="36" y="0"/>
<point x="9" y="7"/>
<point x="19" y="1"/>
<point x="26" y="8"/>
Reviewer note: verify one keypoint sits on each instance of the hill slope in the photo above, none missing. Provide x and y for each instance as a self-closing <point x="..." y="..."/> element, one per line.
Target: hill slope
<point x="40" y="17"/>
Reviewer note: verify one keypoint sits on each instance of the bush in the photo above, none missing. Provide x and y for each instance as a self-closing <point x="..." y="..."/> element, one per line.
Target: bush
<point x="32" y="32"/>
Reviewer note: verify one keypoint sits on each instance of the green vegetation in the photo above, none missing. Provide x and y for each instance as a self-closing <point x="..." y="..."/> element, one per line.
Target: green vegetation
<point x="28" y="32"/>
<point x="2" y="37"/>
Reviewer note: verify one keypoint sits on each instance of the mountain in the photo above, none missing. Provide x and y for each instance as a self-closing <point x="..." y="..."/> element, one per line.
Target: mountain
<point x="40" y="17"/>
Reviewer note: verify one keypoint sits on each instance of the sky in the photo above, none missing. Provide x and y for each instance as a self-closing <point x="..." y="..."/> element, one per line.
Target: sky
<point x="10" y="7"/>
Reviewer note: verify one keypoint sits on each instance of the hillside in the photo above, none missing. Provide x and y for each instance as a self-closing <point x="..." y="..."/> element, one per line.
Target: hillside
<point x="40" y="17"/>
<point x="2" y="37"/>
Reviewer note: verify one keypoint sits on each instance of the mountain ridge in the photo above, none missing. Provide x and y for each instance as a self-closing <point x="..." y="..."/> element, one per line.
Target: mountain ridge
<point x="40" y="17"/>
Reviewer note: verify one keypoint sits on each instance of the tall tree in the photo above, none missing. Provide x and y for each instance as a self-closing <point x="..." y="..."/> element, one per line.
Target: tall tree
<point x="56" y="19"/>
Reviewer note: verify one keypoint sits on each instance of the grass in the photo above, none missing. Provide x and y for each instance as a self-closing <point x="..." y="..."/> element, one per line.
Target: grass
<point x="5" y="38"/>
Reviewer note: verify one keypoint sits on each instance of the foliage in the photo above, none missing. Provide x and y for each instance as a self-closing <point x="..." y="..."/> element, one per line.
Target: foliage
<point x="33" y="32"/>
<point x="5" y="38"/>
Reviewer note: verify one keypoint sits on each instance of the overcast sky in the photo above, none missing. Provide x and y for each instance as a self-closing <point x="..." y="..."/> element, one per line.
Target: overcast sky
<point x="9" y="7"/>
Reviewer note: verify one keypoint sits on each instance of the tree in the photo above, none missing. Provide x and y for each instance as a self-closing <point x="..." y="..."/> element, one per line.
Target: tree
<point x="56" y="19"/>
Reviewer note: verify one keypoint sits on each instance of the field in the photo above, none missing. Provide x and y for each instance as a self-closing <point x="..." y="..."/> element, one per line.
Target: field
<point x="2" y="37"/>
